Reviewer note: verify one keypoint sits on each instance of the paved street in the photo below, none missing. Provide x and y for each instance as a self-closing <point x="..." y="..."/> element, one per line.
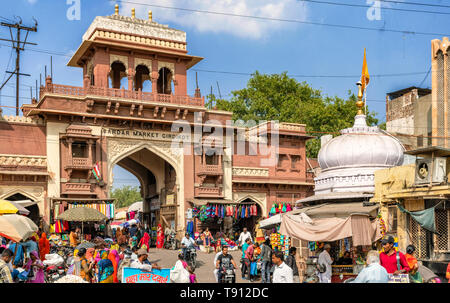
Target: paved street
<point x="204" y="271"/>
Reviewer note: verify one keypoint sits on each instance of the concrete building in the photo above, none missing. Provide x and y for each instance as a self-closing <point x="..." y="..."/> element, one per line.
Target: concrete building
<point x="134" y="88"/>
<point x="416" y="187"/>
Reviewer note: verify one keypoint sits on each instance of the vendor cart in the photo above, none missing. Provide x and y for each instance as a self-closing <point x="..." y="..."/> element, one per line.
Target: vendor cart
<point x="340" y="273"/>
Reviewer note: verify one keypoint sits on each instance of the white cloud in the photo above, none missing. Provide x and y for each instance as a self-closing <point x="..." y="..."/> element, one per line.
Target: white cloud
<point x="238" y="26"/>
<point x="32" y="1"/>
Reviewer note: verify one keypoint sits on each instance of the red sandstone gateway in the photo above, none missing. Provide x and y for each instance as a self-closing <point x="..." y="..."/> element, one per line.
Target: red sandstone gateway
<point x="48" y="155"/>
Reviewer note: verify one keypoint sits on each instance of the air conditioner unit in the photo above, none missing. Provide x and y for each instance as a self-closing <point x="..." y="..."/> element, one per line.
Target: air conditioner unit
<point x="427" y="169"/>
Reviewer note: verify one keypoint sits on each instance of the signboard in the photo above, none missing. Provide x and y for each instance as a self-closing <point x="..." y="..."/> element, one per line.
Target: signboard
<point x="189" y="213"/>
<point x="134" y="275"/>
<point x="403" y="278"/>
<point x="170" y="199"/>
<point x="154" y="204"/>
<point x="142" y="134"/>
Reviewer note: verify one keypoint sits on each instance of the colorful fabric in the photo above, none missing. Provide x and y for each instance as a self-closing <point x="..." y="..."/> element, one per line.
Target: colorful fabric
<point x="160" y="237"/>
<point x="38" y="276"/>
<point x="114" y="258"/>
<point x="145" y="241"/>
<point x="105" y="269"/>
<point x="44" y="246"/>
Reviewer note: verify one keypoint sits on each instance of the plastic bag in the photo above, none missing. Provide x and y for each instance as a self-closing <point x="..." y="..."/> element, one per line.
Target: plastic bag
<point x="178" y="274"/>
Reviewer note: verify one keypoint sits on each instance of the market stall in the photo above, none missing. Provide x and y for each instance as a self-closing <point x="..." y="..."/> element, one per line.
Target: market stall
<point x="347" y="227"/>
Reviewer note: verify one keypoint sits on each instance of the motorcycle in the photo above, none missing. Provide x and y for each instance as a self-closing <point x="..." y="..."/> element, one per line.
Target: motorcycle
<point x="228" y="275"/>
<point x="191" y="257"/>
<point x="171" y="241"/>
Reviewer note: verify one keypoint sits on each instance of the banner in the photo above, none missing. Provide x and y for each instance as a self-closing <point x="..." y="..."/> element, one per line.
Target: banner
<point x="134" y="275"/>
<point x="402" y="278"/>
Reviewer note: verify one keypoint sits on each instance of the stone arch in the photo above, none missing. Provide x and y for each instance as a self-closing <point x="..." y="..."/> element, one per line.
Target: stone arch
<point x="142" y="74"/>
<point x="256" y="200"/>
<point x="118" y="71"/>
<point x="19" y="191"/>
<point x="119" y="149"/>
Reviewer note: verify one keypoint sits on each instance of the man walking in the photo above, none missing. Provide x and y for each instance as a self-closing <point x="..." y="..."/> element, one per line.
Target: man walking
<point x="245" y="262"/>
<point x="244" y="236"/>
<point x="394" y="262"/>
<point x="292" y="263"/>
<point x="373" y="272"/>
<point x="5" y="273"/>
<point x="266" y="261"/>
<point x="325" y="260"/>
<point x="282" y="272"/>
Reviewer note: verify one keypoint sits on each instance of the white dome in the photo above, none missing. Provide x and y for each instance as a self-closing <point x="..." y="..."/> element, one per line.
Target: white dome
<point x="348" y="162"/>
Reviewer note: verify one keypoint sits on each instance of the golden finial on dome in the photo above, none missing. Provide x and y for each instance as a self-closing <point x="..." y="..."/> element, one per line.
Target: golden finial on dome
<point x="150" y="16"/>
<point x="116" y="12"/>
<point x="133" y="13"/>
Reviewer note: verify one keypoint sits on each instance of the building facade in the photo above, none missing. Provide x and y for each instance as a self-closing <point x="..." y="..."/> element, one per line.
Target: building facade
<point x="134" y="89"/>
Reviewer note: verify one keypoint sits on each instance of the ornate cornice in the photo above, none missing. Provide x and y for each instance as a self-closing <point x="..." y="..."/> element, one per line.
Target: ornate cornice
<point x="23" y="160"/>
<point x="250" y="171"/>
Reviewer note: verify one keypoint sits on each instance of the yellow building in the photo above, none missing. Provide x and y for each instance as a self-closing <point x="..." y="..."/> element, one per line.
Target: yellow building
<point x="416" y="187"/>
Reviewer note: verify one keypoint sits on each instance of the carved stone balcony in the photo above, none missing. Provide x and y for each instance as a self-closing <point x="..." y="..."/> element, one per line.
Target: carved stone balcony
<point x="77" y="188"/>
<point x="208" y="192"/>
<point x="80" y="163"/>
<point x="208" y="169"/>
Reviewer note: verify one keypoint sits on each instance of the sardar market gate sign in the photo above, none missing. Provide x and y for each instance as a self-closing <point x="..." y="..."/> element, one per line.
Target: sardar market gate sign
<point x="142" y="134"/>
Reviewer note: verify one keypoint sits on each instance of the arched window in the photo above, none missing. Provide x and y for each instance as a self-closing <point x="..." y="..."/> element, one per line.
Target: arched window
<point x="141" y="77"/>
<point x="165" y="81"/>
<point x="118" y="75"/>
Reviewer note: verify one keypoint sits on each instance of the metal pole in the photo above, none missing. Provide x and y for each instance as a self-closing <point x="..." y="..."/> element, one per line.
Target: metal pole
<point x="17" y="70"/>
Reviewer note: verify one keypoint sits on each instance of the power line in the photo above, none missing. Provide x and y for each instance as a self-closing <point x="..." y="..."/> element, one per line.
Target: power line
<point x="415" y="3"/>
<point x="369" y="6"/>
<point x="290" y="20"/>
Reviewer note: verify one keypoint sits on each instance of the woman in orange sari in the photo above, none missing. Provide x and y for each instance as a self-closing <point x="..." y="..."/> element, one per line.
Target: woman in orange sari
<point x="113" y="256"/>
<point x="44" y="246"/>
<point x="159" y="237"/>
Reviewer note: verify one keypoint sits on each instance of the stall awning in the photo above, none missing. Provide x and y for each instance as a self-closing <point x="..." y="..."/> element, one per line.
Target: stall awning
<point x="200" y="202"/>
<point x="336" y="196"/>
<point x="357" y="226"/>
<point x="26" y="203"/>
<point x="326" y="210"/>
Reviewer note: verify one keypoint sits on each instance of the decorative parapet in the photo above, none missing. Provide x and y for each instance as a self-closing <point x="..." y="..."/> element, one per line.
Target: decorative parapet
<point x="292" y="127"/>
<point x="23" y="160"/>
<point x="250" y="171"/>
<point x="21" y="119"/>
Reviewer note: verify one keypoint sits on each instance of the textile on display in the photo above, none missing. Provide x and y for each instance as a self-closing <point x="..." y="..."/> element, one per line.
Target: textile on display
<point x="222" y="211"/>
<point x="108" y="209"/>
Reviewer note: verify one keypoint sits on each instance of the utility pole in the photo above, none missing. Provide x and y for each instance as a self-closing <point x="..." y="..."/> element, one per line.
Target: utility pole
<point x="16" y="44"/>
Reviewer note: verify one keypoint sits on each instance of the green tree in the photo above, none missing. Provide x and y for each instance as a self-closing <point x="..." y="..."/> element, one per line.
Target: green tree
<point x="279" y="97"/>
<point x="125" y="195"/>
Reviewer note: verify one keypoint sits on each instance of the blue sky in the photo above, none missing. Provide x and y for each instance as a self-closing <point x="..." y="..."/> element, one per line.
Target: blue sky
<point x="236" y="44"/>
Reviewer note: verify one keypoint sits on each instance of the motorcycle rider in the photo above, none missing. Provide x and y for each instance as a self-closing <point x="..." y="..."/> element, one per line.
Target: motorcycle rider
<point x="186" y="244"/>
<point x="224" y="262"/>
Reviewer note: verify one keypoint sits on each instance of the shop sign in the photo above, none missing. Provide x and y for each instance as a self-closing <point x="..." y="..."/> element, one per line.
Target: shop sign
<point x="402" y="278"/>
<point x="154" y="204"/>
<point x="134" y="275"/>
<point x="170" y="199"/>
<point x="141" y="134"/>
<point x="189" y="214"/>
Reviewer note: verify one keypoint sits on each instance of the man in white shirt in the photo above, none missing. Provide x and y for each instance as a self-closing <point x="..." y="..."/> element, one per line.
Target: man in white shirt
<point x="243" y="236"/>
<point x="283" y="273"/>
<point x="142" y="262"/>
<point x="326" y="261"/>
<point x="373" y="272"/>
<point x="186" y="243"/>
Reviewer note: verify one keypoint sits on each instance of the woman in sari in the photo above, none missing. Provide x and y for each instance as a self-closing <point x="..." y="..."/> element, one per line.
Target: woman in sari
<point x="37" y="267"/>
<point x="145" y="242"/>
<point x="44" y="246"/>
<point x="159" y="237"/>
<point x="414" y="274"/>
<point x="105" y="269"/>
<point x="114" y="258"/>
<point x="207" y="239"/>
<point x="83" y="268"/>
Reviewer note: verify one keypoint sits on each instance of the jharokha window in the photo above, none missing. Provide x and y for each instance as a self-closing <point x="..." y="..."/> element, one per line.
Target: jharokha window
<point x="165" y="81"/>
<point x="79" y="150"/>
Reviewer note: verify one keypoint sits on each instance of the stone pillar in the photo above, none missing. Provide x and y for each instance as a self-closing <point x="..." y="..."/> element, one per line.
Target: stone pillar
<point x="90" y="152"/>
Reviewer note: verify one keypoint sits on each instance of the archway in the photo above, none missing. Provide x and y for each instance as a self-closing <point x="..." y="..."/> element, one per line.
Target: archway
<point x="118" y="75"/>
<point x="142" y="79"/>
<point x="160" y="194"/>
<point x="164" y="84"/>
<point x="34" y="214"/>
<point x="248" y="222"/>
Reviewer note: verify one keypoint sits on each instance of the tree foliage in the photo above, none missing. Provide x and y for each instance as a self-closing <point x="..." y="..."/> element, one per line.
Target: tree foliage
<point x="279" y="97"/>
<point x="125" y="195"/>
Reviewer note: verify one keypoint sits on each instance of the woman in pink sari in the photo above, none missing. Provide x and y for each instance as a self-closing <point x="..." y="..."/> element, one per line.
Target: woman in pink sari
<point x="145" y="241"/>
<point x="159" y="237"/>
<point x="35" y="264"/>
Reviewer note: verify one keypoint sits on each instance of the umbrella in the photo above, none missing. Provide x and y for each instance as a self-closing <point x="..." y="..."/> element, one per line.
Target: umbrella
<point x="7" y="207"/>
<point x="21" y="208"/>
<point x="121" y="215"/>
<point x="137" y="206"/>
<point x="82" y="214"/>
<point x="85" y="245"/>
<point x="16" y="227"/>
